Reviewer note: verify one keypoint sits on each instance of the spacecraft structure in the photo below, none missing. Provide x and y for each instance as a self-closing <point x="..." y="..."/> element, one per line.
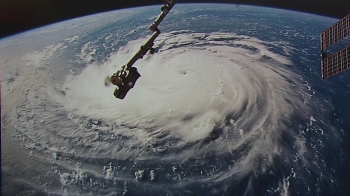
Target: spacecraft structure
<point x="339" y="61"/>
<point x="126" y="77"/>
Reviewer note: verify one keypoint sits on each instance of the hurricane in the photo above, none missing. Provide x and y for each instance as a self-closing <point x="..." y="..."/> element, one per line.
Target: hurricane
<point x="211" y="111"/>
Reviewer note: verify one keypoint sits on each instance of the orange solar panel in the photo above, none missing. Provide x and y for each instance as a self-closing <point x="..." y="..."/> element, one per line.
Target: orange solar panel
<point x="340" y="60"/>
<point x="336" y="32"/>
<point x="336" y="63"/>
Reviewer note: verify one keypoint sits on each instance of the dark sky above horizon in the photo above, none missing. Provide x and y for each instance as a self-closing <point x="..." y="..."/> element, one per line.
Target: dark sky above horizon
<point x="21" y="15"/>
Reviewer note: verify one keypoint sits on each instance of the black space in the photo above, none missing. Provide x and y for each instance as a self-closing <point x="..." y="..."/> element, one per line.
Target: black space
<point x="20" y="15"/>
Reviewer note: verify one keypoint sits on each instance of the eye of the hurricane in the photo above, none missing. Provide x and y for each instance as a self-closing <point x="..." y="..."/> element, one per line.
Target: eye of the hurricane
<point x="211" y="99"/>
<point x="217" y="83"/>
<point x="208" y="110"/>
<point x="223" y="105"/>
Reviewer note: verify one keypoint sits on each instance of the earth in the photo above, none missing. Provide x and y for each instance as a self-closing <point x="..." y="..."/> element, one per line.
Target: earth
<point x="231" y="103"/>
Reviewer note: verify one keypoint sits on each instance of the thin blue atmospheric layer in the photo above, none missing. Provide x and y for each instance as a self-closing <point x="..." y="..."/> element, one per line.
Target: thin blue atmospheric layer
<point x="261" y="120"/>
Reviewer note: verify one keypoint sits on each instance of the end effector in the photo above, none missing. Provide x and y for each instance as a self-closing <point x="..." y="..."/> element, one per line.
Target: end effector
<point x="118" y="77"/>
<point x="124" y="79"/>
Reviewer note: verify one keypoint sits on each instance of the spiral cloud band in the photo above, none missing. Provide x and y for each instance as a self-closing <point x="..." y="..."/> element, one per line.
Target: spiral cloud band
<point x="220" y="87"/>
<point x="224" y="104"/>
<point x="194" y="84"/>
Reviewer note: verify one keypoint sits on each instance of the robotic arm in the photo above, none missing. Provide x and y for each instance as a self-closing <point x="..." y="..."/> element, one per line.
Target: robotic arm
<point x="165" y="10"/>
<point x="144" y="49"/>
<point x="126" y="77"/>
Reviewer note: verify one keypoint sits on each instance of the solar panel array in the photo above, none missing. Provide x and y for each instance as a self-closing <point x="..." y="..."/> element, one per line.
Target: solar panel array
<point x="340" y="60"/>
<point x="336" y="32"/>
<point x="336" y="63"/>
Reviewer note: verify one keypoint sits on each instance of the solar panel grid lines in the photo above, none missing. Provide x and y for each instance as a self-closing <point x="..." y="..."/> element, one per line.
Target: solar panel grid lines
<point x="340" y="60"/>
<point x="336" y="63"/>
<point x="336" y="32"/>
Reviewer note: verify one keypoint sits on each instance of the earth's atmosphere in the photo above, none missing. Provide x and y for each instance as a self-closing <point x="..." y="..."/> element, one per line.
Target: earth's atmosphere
<point x="231" y="103"/>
